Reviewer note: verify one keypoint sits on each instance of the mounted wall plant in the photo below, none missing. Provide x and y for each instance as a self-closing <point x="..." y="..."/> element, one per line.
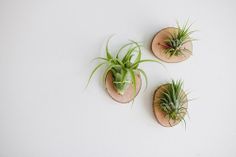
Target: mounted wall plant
<point x="122" y="74"/>
<point x="173" y="44"/>
<point x="170" y="103"/>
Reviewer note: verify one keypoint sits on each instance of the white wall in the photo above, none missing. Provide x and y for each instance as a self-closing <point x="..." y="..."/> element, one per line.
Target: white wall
<point x="45" y="51"/>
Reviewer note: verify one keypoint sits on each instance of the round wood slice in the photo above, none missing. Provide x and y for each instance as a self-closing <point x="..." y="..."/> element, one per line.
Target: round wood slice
<point x="128" y="95"/>
<point x="159" y="114"/>
<point x="159" y="50"/>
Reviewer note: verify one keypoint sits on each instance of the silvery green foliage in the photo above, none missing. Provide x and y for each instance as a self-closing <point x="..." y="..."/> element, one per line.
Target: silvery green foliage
<point x="175" y="41"/>
<point x="124" y="69"/>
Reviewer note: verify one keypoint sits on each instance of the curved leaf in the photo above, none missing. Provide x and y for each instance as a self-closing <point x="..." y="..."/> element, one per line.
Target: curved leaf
<point x="145" y="60"/>
<point x="133" y="78"/>
<point x="109" y="56"/>
<point x="145" y="76"/>
<point x="94" y="70"/>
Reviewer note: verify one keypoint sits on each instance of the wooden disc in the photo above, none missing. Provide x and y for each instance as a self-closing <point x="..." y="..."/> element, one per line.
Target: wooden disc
<point x="159" y="50"/>
<point x="128" y="95"/>
<point x="161" y="115"/>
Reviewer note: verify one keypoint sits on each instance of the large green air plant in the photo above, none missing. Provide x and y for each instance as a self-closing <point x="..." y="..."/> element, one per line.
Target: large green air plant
<point x="124" y="69"/>
<point x="173" y="101"/>
<point x="173" y="45"/>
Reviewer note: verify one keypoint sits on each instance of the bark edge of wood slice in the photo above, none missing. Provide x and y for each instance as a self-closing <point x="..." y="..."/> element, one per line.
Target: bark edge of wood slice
<point x="158" y="113"/>
<point x="158" y="50"/>
<point x="128" y="95"/>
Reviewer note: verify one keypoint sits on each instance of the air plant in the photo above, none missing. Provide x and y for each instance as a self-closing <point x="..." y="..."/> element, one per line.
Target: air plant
<point x="124" y="69"/>
<point x="174" y="43"/>
<point x="173" y="101"/>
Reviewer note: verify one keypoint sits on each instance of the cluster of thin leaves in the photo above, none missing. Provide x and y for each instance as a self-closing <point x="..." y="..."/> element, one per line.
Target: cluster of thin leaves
<point x="124" y="69"/>
<point x="174" y="43"/>
<point x="173" y="100"/>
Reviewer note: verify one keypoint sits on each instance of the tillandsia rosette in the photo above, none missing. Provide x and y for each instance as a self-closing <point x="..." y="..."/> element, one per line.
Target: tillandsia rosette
<point x="121" y="79"/>
<point x="173" y="45"/>
<point x="173" y="101"/>
<point x="124" y="68"/>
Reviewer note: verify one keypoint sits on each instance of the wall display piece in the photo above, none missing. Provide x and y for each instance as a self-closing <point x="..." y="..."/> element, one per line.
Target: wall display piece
<point x="122" y="73"/>
<point x="170" y="103"/>
<point x="173" y="44"/>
